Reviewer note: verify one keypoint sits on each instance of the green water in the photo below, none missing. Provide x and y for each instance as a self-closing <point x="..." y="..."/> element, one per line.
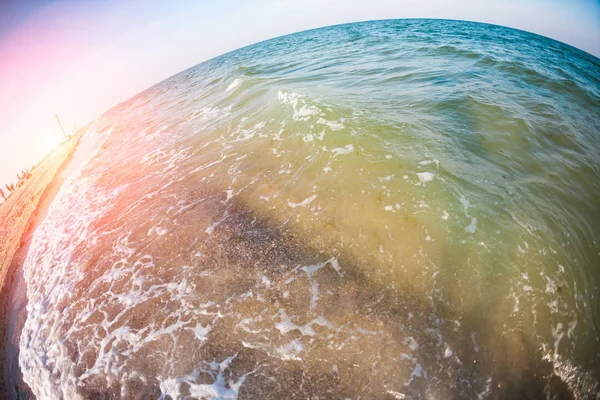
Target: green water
<point x="392" y="209"/>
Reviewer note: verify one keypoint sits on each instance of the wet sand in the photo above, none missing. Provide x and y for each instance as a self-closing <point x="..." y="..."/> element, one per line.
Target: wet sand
<point x="19" y="216"/>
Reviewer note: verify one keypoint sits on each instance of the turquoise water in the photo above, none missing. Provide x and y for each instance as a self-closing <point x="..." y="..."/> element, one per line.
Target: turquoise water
<point x="397" y="209"/>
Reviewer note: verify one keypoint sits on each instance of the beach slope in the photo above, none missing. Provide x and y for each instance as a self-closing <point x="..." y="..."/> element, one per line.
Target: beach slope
<point x="19" y="216"/>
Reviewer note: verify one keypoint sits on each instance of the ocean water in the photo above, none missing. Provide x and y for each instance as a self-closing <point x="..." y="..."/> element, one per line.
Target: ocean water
<point x="404" y="209"/>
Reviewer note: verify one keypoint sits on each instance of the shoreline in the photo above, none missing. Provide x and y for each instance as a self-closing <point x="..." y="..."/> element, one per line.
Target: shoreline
<point x="20" y="215"/>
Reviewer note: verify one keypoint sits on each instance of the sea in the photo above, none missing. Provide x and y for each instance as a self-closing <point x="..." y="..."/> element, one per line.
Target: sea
<point x="397" y="209"/>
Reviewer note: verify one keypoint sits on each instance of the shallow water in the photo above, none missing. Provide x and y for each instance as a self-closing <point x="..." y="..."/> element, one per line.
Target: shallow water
<point x="393" y="209"/>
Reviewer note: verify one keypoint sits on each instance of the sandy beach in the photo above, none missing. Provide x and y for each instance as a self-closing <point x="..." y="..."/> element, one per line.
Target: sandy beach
<point x="19" y="216"/>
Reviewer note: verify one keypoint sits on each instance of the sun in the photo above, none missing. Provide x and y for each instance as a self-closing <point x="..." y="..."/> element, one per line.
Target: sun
<point x="45" y="137"/>
<point x="50" y="142"/>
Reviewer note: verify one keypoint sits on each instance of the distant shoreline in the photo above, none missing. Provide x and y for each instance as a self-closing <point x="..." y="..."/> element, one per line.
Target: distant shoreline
<point x="20" y="214"/>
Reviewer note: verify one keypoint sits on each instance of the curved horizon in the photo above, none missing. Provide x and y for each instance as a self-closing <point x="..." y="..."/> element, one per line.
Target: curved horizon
<point x="360" y="22"/>
<point x="61" y="58"/>
<point x="332" y="26"/>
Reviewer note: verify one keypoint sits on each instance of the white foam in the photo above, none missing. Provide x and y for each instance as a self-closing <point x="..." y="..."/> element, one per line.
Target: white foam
<point x="285" y="325"/>
<point x="160" y="231"/>
<point x="303" y="111"/>
<point x="580" y="383"/>
<point x="472" y="226"/>
<point x="290" y="351"/>
<point x="266" y="281"/>
<point x="349" y="148"/>
<point x="219" y="389"/>
<point x="411" y="342"/>
<point x="229" y="193"/>
<point x="210" y="229"/>
<point x="416" y="372"/>
<point x="50" y="273"/>
<point x="486" y="391"/>
<point x="427" y="162"/>
<point x="234" y="84"/>
<point x="335" y="264"/>
<point x="550" y="286"/>
<point x="303" y="203"/>
<point x="202" y="332"/>
<point x="465" y="203"/>
<point x="422" y="204"/>
<point x="475" y="344"/>
<point x="314" y="291"/>
<point x="425" y="177"/>
<point x="334" y="126"/>
<point x="397" y="395"/>
<point x="310" y="269"/>
<point x="207" y="114"/>
<point x="448" y="352"/>
<point x="557" y="334"/>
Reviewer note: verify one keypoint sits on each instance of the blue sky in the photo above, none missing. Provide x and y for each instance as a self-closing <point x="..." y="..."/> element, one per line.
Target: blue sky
<point x="79" y="58"/>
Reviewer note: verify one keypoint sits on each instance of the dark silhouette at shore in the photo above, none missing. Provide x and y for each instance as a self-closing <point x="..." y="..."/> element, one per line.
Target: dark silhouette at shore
<point x="21" y="179"/>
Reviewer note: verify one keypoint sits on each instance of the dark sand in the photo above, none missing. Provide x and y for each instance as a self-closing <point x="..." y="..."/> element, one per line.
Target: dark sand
<point x="19" y="216"/>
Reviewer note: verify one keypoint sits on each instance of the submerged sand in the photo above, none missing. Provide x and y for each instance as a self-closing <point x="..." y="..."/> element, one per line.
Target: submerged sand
<point x="19" y="216"/>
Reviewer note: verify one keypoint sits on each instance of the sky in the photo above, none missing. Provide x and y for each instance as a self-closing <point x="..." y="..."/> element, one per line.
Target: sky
<point x="77" y="59"/>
